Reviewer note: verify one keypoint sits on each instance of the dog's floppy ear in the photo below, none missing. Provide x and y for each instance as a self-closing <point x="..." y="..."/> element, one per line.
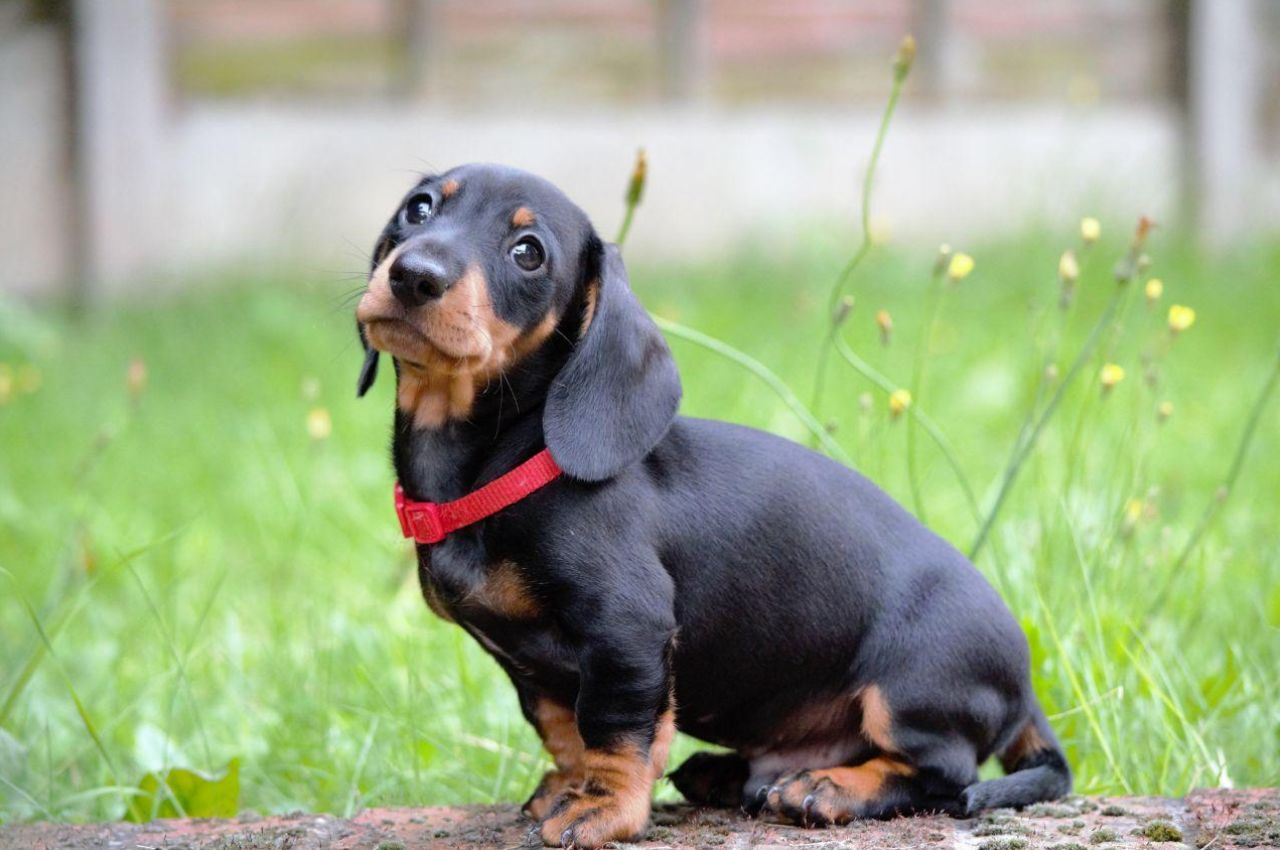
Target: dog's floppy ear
<point x="618" y="392"/>
<point x="368" y="371"/>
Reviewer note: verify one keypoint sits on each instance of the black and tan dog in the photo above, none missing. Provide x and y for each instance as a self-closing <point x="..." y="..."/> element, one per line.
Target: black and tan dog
<point x="680" y="573"/>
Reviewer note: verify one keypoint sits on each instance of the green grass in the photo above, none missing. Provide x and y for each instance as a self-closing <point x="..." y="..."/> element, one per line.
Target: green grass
<point x="213" y="583"/>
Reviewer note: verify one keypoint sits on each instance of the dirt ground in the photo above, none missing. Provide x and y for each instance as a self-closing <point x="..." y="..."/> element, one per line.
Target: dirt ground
<point x="1221" y="820"/>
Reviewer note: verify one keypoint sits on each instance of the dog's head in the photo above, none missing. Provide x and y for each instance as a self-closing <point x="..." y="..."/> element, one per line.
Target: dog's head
<point x="481" y="268"/>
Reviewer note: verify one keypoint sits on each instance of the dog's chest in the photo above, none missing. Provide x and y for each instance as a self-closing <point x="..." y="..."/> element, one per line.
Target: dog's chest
<point x="492" y="600"/>
<point x="461" y="583"/>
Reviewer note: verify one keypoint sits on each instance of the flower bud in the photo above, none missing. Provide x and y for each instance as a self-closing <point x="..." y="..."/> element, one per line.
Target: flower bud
<point x="635" y="188"/>
<point x="843" y="309"/>
<point x="944" y="257"/>
<point x="136" y="377"/>
<point x="885" y="323"/>
<point x="1068" y="268"/>
<point x="903" y="58"/>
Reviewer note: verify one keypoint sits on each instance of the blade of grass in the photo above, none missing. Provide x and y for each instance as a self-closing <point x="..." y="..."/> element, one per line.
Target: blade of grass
<point x="89" y="726"/>
<point x="930" y="427"/>
<point x="901" y="69"/>
<point x="1022" y="450"/>
<point x="1224" y="491"/>
<point x="78" y="600"/>
<point x="933" y="299"/>
<point x="771" y="380"/>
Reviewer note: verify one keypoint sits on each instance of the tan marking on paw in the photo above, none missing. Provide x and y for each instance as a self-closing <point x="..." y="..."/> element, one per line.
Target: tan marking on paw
<point x="558" y="729"/>
<point x="613" y="804"/>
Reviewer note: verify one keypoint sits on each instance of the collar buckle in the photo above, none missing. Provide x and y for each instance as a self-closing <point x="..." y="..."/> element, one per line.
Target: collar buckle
<point x="419" y="520"/>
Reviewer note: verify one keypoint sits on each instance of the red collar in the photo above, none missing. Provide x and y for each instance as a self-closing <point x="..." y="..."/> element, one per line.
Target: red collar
<point x="431" y="522"/>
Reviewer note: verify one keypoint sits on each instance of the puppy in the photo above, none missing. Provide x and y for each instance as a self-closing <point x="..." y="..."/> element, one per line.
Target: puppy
<point x="635" y="572"/>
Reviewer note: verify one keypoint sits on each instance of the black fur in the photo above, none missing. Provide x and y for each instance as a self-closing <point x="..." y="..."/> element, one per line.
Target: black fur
<point x="757" y="578"/>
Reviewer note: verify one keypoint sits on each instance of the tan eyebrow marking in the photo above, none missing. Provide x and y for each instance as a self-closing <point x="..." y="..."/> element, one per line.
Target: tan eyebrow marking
<point x="450" y="188"/>
<point x="523" y="217"/>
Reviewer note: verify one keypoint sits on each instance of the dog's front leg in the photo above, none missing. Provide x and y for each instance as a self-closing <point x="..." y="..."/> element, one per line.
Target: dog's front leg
<point x="626" y="721"/>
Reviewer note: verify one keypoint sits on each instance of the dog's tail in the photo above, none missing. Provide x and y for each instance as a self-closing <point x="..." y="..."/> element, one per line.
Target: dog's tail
<point x="1035" y="771"/>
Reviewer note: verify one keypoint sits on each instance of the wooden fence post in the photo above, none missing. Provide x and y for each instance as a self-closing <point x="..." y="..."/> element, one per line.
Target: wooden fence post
<point x="1224" y="101"/>
<point x="121" y="92"/>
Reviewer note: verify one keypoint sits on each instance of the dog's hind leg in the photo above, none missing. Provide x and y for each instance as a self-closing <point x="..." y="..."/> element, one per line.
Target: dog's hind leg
<point x="712" y="779"/>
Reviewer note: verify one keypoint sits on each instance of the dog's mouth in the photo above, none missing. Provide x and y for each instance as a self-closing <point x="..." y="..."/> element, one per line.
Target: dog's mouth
<point x="436" y="339"/>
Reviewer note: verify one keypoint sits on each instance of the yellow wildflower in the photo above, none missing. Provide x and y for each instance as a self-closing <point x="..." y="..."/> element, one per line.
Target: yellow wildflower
<point x="1090" y="230"/>
<point x="885" y="323"/>
<point x="319" y="425"/>
<point x="6" y="383"/>
<point x="1181" y="318"/>
<point x="1164" y="411"/>
<point x="1133" y="511"/>
<point x="959" y="267"/>
<point x="899" y="401"/>
<point x="1068" y="268"/>
<point x="1110" y="375"/>
<point x="1154" y="289"/>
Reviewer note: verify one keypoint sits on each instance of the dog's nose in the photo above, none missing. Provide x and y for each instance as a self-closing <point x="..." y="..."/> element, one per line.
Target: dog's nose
<point x="416" y="278"/>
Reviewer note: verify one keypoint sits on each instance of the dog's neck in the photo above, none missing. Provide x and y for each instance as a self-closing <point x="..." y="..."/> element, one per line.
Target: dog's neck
<point x="503" y="428"/>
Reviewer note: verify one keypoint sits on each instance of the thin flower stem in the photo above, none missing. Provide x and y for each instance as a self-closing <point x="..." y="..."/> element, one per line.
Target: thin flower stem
<point x="824" y="354"/>
<point x="626" y="224"/>
<point x="635" y="192"/>
<point x="1223" y="492"/>
<point x="930" y="427"/>
<point x="765" y="374"/>
<point x="1022" y="450"/>
<point x="932" y="301"/>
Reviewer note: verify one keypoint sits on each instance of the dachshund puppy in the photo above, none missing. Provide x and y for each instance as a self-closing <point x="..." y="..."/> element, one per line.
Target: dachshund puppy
<point x="636" y="572"/>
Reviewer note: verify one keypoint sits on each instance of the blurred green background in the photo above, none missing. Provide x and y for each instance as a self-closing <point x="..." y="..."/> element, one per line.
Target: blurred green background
<point x="212" y="553"/>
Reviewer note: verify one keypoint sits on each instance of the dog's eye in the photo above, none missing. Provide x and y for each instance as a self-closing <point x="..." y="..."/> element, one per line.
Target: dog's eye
<point x="418" y="209"/>
<point x="528" y="254"/>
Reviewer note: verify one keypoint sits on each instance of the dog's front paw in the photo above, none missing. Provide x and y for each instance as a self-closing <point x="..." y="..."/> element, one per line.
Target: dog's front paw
<point x="554" y="784"/>
<point x="586" y="819"/>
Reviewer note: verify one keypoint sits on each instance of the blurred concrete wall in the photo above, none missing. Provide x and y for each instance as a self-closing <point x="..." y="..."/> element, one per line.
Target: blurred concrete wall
<point x="176" y="188"/>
